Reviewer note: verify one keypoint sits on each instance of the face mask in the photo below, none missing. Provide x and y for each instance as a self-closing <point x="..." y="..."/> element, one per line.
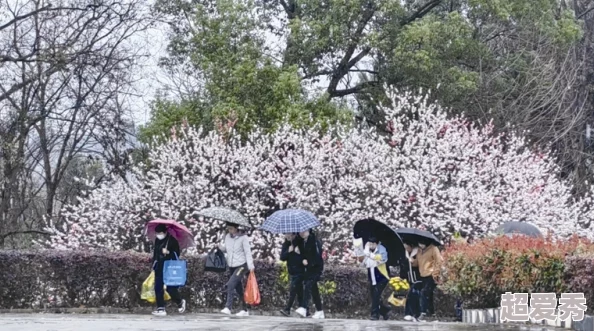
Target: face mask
<point x="160" y="236"/>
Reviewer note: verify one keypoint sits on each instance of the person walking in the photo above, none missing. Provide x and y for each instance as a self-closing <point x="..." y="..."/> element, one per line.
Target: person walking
<point x="291" y="254"/>
<point x="429" y="262"/>
<point x="410" y="273"/>
<point x="375" y="260"/>
<point x="240" y="261"/>
<point x="311" y="251"/>
<point x="166" y="248"/>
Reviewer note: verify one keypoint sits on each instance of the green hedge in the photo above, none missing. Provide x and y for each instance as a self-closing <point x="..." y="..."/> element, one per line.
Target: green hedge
<point x="60" y="279"/>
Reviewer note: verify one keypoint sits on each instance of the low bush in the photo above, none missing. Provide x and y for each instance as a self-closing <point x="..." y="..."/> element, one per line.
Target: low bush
<point x="579" y="277"/>
<point x="480" y="272"/>
<point x="61" y="279"/>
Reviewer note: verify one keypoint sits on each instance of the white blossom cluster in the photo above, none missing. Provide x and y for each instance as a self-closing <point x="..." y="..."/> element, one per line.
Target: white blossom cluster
<point x="433" y="171"/>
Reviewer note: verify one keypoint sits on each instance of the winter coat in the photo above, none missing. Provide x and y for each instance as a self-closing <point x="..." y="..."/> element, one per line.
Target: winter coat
<point x="311" y="250"/>
<point x="294" y="261"/>
<point x="172" y="246"/>
<point x="429" y="261"/>
<point x="410" y="272"/>
<point x="238" y="250"/>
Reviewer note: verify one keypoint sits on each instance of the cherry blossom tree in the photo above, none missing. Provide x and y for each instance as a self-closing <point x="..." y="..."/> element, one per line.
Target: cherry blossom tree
<point x="434" y="171"/>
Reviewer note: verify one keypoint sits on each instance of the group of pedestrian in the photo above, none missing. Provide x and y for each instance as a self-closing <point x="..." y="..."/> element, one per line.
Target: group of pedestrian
<point x="303" y="254"/>
<point x="302" y="251"/>
<point x="422" y="269"/>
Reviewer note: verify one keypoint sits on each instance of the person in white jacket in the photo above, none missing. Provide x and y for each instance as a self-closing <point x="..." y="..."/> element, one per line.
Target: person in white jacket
<point x="240" y="261"/>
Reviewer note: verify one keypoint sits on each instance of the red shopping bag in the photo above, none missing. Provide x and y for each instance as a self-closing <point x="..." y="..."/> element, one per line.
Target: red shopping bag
<point x="252" y="293"/>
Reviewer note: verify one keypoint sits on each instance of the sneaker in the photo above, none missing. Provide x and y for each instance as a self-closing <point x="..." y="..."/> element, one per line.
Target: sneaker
<point x="182" y="307"/>
<point x="160" y="312"/>
<point x="319" y="315"/>
<point x="301" y="311"/>
<point x="285" y="312"/>
<point x="422" y="317"/>
<point x="242" y="313"/>
<point x="226" y="311"/>
<point x="374" y="318"/>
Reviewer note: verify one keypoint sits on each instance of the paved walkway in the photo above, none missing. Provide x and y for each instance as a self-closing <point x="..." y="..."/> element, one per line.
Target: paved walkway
<point x="59" y="322"/>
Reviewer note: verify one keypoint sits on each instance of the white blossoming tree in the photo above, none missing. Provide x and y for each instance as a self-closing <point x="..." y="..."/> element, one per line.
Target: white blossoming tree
<point x="432" y="171"/>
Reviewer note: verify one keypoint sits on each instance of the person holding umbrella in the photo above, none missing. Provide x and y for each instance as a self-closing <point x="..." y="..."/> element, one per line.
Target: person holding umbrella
<point x="375" y="260"/>
<point x="291" y="254"/>
<point x="241" y="262"/>
<point x="310" y="248"/>
<point x="238" y="252"/>
<point x="166" y="248"/>
<point x="429" y="262"/>
<point x="407" y="271"/>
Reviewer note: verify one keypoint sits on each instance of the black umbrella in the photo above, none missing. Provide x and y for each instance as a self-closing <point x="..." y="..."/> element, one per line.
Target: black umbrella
<point x="370" y="227"/>
<point x="418" y="236"/>
<point x="515" y="227"/>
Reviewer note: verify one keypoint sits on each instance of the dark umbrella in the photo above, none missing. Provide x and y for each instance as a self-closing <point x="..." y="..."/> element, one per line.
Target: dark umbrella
<point x="418" y="235"/>
<point x="367" y="228"/>
<point x="515" y="227"/>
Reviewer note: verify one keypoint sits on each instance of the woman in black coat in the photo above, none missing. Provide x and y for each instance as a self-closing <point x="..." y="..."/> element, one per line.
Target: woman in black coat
<point x="166" y="248"/>
<point x="311" y="252"/>
<point x="291" y="254"/>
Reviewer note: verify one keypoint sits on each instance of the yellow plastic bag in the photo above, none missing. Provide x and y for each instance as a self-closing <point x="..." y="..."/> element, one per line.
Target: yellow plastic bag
<point x="398" y="302"/>
<point x="148" y="290"/>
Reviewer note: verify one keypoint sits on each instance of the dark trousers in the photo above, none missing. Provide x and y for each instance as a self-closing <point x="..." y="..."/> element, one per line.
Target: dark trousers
<point x="427" y="293"/>
<point x="235" y="286"/>
<point x="295" y="291"/>
<point x="160" y="292"/>
<point x="377" y="306"/>
<point x="311" y="290"/>
<point x="411" y="307"/>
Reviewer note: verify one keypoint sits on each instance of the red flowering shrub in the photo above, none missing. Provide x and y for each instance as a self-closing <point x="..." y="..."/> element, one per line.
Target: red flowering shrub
<point x="579" y="277"/>
<point x="481" y="271"/>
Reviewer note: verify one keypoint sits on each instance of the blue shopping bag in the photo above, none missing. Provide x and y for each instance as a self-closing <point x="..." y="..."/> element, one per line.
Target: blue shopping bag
<point x="174" y="272"/>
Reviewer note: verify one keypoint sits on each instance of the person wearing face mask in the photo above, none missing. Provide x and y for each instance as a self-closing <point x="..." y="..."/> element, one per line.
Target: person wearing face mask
<point x="375" y="260"/>
<point x="240" y="261"/>
<point x="291" y="254"/>
<point x="311" y="254"/>
<point x="166" y="248"/>
<point x="429" y="262"/>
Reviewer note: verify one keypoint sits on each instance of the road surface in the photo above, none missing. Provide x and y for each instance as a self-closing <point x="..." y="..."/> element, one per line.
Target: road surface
<point x="192" y="322"/>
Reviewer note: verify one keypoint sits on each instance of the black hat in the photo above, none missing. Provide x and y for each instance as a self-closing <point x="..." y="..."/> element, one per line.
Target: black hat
<point x="161" y="228"/>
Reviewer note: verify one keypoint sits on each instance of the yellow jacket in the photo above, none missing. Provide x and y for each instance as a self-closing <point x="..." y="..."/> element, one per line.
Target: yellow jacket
<point x="429" y="261"/>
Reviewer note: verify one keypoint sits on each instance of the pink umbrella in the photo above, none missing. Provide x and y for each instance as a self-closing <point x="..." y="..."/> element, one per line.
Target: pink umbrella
<point x="178" y="231"/>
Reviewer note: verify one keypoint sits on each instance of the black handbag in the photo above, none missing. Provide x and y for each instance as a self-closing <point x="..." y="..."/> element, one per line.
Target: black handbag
<point x="215" y="261"/>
